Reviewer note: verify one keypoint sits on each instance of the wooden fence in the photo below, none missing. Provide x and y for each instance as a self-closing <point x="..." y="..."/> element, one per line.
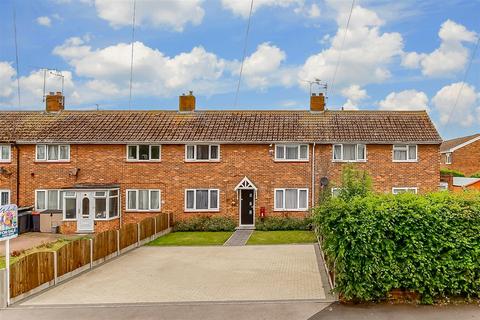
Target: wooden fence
<point x="38" y="268"/>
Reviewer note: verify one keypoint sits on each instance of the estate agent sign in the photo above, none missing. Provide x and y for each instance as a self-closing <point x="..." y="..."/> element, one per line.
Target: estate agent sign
<point x="8" y="222"/>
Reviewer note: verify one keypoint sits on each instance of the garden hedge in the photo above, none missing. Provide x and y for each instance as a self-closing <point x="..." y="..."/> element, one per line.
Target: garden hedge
<point x="205" y="223"/>
<point x="426" y="244"/>
<point x="283" y="223"/>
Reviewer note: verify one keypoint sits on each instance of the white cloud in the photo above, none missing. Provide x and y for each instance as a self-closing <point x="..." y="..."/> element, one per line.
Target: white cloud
<point x="7" y="72"/>
<point x="167" y="13"/>
<point x="449" y="58"/>
<point x="367" y="52"/>
<point x="313" y="11"/>
<point x="405" y="100"/>
<point x="44" y="21"/>
<point x="242" y="7"/>
<point x="354" y="92"/>
<point x="464" y="112"/>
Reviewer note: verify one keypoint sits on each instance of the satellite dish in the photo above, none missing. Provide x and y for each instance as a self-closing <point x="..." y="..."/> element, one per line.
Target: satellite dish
<point x="324" y="181"/>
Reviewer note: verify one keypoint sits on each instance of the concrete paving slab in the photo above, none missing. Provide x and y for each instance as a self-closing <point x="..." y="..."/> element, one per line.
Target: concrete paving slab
<point x="187" y="274"/>
<point x="239" y="238"/>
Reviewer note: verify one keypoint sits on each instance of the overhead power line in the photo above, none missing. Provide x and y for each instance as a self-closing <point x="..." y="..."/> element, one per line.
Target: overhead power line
<point x="341" y="47"/>
<point x="244" y="54"/>
<point x="16" y="52"/>
<point x="131" y="56"/>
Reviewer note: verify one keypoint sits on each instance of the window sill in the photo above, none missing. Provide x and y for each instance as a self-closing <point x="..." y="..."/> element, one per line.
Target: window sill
<point x="144" y="161"/>
<point x="292" y="160"/>
<point x="193" y="161"/>
<point x="350" y="161"/>
<point x="290" y="210"/>
<point x="5" y="161"/>
<point x="407" y="161"/>
<point x="200" y="211"/>
<point x="106" y="219"/>
<point x="143" y="211"/>
<point x="52" y="161"/>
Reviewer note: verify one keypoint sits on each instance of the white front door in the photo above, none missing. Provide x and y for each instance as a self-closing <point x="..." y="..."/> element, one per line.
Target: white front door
<point x="86" y="211"/>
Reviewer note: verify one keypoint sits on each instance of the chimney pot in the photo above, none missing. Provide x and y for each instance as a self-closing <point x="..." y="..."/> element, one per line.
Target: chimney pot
<point x="317" y="102"/>
<point x="54" y="102"/>
<point x="186" y="103"/>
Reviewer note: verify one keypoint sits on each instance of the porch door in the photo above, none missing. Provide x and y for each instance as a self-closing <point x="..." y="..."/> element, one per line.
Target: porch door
<point x="247" y="207"/>
<point x="86" y="211"/>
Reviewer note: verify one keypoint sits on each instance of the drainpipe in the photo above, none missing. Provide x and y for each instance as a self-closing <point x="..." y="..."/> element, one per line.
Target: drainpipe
<point x="17" y="179"/>
<point x="313" y="175"/>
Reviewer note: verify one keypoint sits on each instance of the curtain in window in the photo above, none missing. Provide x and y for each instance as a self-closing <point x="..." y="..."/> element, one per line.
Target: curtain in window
<point x="41" y="200"/>
<point x="142" y="199"/>
<point x="337" y="152"/>
<point x="400" y="154"/>
<point x="144" y="152"/>
<point x="52" y="199"/>
<point x="202" y="152"/>
<point x="291" y="199"/>
<point x="3" y="198"/>
<point x="361" y="151"/>
<point x="302" y="199"/>
<point x="190" y="199"/>
<point x="190" y="152"/>
<point x="154" y="199"/>
<point x="41" y="152"/>
<point x="412" y="152"/>
<point x="132" y="200"/>
<point x="291" y="152"/>
<point x="213" y="199"/>
<point x="64" y="151"/>
<point x="279" y="199"/>
<point x="132" y="152"/>
<point x="52" y="152"/>
<point x="201" y="199"/>
<point x="213" y="152"/>
<point x="280" y="152"/>
<point x="155" y="153"/>
<point x="303" y="152"/>
<point x="349" y="152"/>
<point x="5" y="152"/>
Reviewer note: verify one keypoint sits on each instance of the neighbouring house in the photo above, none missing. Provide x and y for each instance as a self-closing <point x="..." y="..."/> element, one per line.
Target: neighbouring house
<point x="96" y="170"/>
<point x="462" y="154"/>
<point x="462" y="184"/>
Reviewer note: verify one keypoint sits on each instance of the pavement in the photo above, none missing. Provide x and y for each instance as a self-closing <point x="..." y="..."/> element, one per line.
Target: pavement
<point x="32" y="239"/>
<point x="195" y="274"/>
<point x="239" y="238"/>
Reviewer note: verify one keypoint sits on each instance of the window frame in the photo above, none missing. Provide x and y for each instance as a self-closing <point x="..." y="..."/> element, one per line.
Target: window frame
<point x="45" y="159"/>
<point x="275" y="208"/>
<point x="9" y="147"/>
<point x="356" y="152"/>
<point x="407" y="147"/>
<point x="335" y="189"/>
<point x="404" y="188"/>
<point x="59" y="199"/>
<point x="209" y="209"/>
<point x="137" y="159"/>
<point x="9" y="195"/>
<point x="448" y="158"/>
<point x="66" y="196"/>
<point x="210" y="159"/>
<point x="127" y="209"/>
<point x="298" y="159"/>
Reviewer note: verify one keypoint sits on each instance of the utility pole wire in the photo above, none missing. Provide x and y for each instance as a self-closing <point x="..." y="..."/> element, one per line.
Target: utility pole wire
<point x="131" y="56"/>
<point x="244" y="54"/>
<point x="463" y="81"/>
<point x="341" y="47"/>
<point x="16" y="51"/>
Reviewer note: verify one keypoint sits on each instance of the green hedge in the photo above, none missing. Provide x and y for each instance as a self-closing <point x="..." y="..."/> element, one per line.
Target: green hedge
<point x="281" y="223"/>
<point x="452" y="172"/>
<point x="427" y="244"/>
<point x="206" y="223"/>
<point x="476" y="175"/>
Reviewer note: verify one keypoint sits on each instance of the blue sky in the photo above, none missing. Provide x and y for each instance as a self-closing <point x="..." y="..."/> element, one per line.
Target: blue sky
<point x="396" y="55"/>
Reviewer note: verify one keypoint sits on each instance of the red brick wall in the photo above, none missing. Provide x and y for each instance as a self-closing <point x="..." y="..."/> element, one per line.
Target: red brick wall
<point x="465" y="159"/>
<point x="106" y="164"/>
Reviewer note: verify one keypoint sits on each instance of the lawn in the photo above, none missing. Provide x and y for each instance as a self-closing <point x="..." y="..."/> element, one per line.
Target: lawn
<point x="191" y="239"/>
<point x="282" y="237"/>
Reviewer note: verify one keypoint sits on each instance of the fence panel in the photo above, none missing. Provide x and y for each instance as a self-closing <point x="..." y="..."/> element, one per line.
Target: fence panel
<point x="30" y="272"/>
<point x="128" y="235"/>
<point x="147" y="228"/>
<point x="104" y="243"/>
<point x="162" y="222"/>
<point x="73" y="255"/>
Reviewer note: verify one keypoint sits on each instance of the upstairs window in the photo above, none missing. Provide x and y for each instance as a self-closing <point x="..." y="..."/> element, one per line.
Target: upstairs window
<point x="143" y="152"/>
<point x="5" y="153"/>
<point x="52" y="152"/>
<point x="448" y="158"/>
<point x="143" y="200"/>
<point x="291" y="199"/>
<point x="291" y="152"/>
<point x="202" y="152"/>
<point x="405" y="153"/>
<point x="349" y="152"/>
<point x="4" y="197"/>
<point x="202" y="199"/>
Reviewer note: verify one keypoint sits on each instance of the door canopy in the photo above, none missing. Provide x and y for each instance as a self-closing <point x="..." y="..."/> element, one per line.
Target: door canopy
<point x="245" y="184"/>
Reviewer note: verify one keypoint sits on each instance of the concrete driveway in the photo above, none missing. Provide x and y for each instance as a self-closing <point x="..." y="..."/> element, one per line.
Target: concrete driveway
<point x="195" y="274"/>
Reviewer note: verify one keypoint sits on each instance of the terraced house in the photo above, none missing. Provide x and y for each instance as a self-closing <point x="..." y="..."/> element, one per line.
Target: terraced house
<point x="95" y="170"/>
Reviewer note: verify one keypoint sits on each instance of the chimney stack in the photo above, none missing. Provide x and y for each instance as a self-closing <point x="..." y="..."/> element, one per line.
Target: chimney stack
<point x="317" y="102"/>
<point x="186" y="102"/>
<point x="54" y="102"/>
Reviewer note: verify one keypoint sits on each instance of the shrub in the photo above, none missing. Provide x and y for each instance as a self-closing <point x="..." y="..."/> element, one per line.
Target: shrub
<point x="451" y="172"/>
<point x="354" y="183"/>
<point x="427" y="244"/>
<point x="476" y="175"/>
<point x="205" y="223"/>
<point x="282" y="223"/>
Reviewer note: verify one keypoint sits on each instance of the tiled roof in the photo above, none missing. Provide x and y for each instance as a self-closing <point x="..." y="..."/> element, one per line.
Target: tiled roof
<point x="450" y="144"/>
<point x="219" y="126"/>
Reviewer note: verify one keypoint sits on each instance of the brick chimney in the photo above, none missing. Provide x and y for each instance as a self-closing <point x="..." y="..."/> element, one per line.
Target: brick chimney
<point x="186" y="102"/>
<point x="317" y="102"/>
<point x="54" y="102"/>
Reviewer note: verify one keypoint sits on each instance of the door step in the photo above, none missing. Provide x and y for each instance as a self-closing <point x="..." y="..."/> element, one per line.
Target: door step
<point x="245" y="228"/>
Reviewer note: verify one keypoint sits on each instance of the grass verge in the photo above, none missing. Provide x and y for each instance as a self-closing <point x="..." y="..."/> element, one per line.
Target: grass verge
<point x="281" y="237"/>
<point x="191" y="239"/>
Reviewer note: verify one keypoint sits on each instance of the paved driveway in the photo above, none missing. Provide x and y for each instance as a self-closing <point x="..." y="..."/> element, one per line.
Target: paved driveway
<point x="187" y="274"/>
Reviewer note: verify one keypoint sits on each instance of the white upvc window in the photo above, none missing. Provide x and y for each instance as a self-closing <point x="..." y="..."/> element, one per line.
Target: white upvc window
<point x="113" y="203"/>
<point x="398" y="190"/>
<point x="52" y="152"/>
<point x="443" y="186"/>
<point x="202" y="199"/>
<point x="336" y="192"/>
<point x="350" y="152"/>
<point x="70" y="212"/>
<point x="144" y="152"/>
<point x="291" y="152"/>
<point x="5" y="153"/>
<point x="291" y="199"/>
<point x="4" y="197"/>
<point x="143" y="200"/>
<point x="405" y="153"/>
<point x="202" y="152"/>
<point x="48" y="199"/>
<point x="448" y="158"/>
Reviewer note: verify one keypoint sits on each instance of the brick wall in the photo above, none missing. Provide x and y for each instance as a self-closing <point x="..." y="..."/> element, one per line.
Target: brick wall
<point x="106" y="164"/>
<point x="465" y="159"/>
